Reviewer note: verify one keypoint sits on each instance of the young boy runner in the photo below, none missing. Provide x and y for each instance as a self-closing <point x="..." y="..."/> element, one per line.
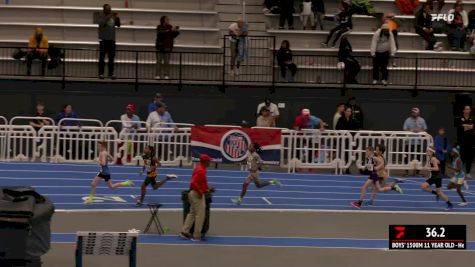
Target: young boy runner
<point x="151" y="164"/>
<point x="104" y="173"/>
<point x="435" y="178"/>
<point x="254" y="163"/>
<point x="458" y="178"/>
<point x="377" y="178"/>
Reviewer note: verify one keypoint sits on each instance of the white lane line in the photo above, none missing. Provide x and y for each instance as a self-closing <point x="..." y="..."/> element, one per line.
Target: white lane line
<point x="266" y="200"/>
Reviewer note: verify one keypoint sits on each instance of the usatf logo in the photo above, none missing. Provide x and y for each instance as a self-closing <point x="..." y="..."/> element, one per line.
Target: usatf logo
<point x="234" y="145"/>
<point x="443" y="17"/>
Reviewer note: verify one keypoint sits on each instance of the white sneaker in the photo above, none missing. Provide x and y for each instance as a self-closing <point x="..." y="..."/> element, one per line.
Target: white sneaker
<point x="375" y="82"/>
<point x="157" y="77"/>
<point x="465" y="184"/>
<point x="166" y="77"/>
<point x="384" y="82"/>
<point x="463" y="204"/>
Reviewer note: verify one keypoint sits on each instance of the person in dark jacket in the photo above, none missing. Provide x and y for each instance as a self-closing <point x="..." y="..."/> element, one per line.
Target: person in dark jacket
<point x="424" y="25"/>
<point x="357" y="112"/>
<point x="284" y="59"/>
<point x="351" y="65"/>
<point x="286" y="13"/>
<point x="318" y="8"/>
<point x="166" y="34"/>
<point x="107" y="24"/>
<point x="346" y="122"/>
<point x="343" y="25"/>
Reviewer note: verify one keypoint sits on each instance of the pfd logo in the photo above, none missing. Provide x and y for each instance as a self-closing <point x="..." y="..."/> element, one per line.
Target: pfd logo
<point x="443" y="17"/>
<point x="234" y="145"/>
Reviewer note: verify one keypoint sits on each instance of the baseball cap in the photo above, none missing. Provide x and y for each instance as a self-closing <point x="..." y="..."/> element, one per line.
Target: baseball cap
<point x="158" y="95"/>
<point x="131" y="107"/>
<point x="204" y="157"/>
<point x="161" y="105"/>
<point x="305" y="111"/>
<point x="415" y="110"/>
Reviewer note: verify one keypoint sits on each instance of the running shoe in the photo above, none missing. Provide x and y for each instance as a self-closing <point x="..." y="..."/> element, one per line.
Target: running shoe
<point x="356" y="205"/>
<point x="138" y="204"/>
<point x="184" y="236"/>
<point x="171" y="176"/>
<point x="465" y="184"/>
<point x="237" y="201"/>
<point x="198" y="240"/>
<point x="89" y="201"/>
<point x="128" y="183"/>
<point x="463" y="204"/>
<point x="275" y="182"/>
<point x="398" y="189"/>
<point x="450" y="206"/>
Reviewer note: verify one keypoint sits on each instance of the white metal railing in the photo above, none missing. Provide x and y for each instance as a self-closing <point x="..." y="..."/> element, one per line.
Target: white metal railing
<point x="306" y="149"/>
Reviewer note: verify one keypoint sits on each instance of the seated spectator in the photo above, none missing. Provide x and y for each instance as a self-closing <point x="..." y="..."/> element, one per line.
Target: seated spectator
<point x="284" y="59"/>
<point x="40" y="112"/>
<point x="382" y="48"/>
<point x="306" y="14"/>
<point x="265" y="119"/>
<point x="340" y="108"/>
<point x="130" y="121"/>
<point x="287" y="10"/>
<point x="307" y="121"/>
<point x="160" y="118"/>
<point x="67" y="113"/>
<point x="153" y="106"/>
<point x="166" y="34"/>
<point x="343" y="25"/>
<point x="318" y="8"/>
<point x="424" y="25"/>
<point x="351" y="66"/>
<point x="273" y="108"/>
<point x="37" y="49"/>
<point x="346" y="122"/>
<point x="456" y="33"/>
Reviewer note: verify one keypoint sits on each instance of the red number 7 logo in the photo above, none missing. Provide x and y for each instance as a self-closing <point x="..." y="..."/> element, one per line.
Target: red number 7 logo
<point x="401" y="230"/>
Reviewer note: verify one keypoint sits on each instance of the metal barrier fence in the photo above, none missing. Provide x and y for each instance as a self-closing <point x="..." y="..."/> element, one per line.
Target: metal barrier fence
<point x="306" y="149"/>
<point x="258" y="66"/>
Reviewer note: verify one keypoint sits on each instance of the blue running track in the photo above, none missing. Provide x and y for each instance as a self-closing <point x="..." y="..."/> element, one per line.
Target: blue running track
<point x="67" y="184"/>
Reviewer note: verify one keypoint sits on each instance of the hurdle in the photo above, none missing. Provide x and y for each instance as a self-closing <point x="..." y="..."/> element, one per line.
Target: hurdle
<point x="106" y="244"/>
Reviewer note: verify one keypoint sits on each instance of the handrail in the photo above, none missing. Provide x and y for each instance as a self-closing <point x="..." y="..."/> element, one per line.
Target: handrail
<point x="60" y="123"/>
<point x="30" y="118"/>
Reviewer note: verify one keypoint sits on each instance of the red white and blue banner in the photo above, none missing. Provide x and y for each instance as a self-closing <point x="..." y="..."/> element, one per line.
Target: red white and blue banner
<point x="227" y="144"/>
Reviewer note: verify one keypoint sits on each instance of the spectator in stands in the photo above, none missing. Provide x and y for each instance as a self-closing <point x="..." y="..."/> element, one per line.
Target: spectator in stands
<point x="357" y="112"/>
<point x="340" y="108"/>
<point x="107" y="24"/>
<point x="40" y="112"/>
<point x="351" y="66"/>
<point x="343" y="24"/>
<point x="160" y="118"/>
<point x="466" y="138"/>
<point x="153" y="106"/>
<point x="471" y="26"/>
<point x="287" y="10"/>
<point x="166" y="34"/>
<point x="416" y="124"/>
<point x="265" y="119"/>
<point x="347" y="122"/>
<point x="456" y="33"/>
<point x="284" y="59"/>
<point x="442" y="147"/>
<point x="382" y="48"/>
<point x="318" y="8"/>
<point x="273" y="108"/>
<point x="237" y="31"/>
<point x="306" y="14"/>
<point x="307" y="121"/>
<point x="130" y="121"/>
<point x="37" y="49"/>
<point x="67" y="113"/>
<point x="424" y="25"/>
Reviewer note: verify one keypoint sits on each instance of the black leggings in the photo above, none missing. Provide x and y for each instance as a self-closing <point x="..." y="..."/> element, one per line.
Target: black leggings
<point x="339" y="31"/>
<point x="285" y="15"/>
<point x="466" y="154"/>
<point x="380" y="63"/>
<point x="283" y="69"/>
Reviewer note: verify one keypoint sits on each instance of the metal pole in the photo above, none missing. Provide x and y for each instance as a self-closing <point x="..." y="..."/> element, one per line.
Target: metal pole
<point x="136" y="71"/>
<point x="133" y="253"/>
<point x="63" y="83"/>
<point x="79" y="252"/>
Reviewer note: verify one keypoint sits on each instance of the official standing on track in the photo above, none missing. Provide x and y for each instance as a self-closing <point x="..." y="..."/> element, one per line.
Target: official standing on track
<point x="198" y="188"/>
<point x="465" y="138"/>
